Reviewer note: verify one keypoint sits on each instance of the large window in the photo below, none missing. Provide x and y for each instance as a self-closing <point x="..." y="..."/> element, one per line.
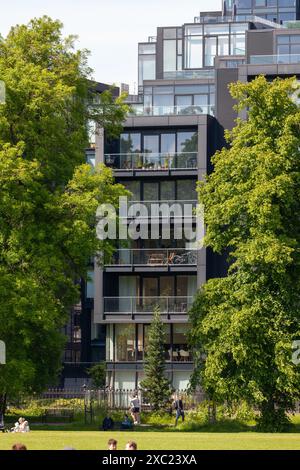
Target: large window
<point x="146" y="68"/>
<point x="125" y="342"/>
<point x="130" y="142"/>
<point x="193" y="52"/>
<point x="182" y="96"/>
<point x="187" y="141"/>
<point x="172" y="49"/>
<point x="288" y="44"/>
<point x="170" y="59"/>
<point x="203" y="43"/>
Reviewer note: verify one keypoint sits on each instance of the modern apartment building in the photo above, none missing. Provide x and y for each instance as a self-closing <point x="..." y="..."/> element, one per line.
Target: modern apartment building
<point x="176" y="125"/>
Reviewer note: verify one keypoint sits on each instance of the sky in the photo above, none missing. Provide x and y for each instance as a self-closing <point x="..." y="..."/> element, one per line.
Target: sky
<point x="109" y="29"/>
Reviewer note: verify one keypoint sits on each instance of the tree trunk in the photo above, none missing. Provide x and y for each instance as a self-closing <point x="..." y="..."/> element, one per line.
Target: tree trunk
<point x="3" y="397"/>
<point x="212" y="412"/>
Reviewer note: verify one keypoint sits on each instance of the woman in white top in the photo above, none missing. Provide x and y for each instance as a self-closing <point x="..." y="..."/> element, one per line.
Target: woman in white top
<point x="135" y="409"/>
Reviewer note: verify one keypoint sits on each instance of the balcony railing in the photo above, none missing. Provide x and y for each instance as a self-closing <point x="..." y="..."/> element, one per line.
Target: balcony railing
<point x="188" y="110"/>
<point x="177" y="208"/>
<point x="154" y="257"/>
<point x="146" y="305"/>
<point x="189" y="74"/>
<point x="275" y="59"/>
<point x="151" y="161"/>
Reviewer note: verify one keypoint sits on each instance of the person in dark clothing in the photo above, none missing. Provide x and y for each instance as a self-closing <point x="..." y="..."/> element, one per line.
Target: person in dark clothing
<point x="178" y="406"/>
<point x="107" y="423"/>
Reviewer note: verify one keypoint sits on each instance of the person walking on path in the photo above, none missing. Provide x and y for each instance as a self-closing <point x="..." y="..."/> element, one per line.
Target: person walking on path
<point x="178" y="406"/>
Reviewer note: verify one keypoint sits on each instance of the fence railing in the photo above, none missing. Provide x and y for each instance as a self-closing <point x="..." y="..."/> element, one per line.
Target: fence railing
<point x="114" y="398"/>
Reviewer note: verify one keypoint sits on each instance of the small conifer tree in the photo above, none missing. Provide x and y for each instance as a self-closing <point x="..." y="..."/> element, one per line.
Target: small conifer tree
<point x="156" y="387"/>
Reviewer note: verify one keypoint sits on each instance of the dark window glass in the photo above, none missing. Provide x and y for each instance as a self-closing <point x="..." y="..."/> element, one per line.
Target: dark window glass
<point x="151" y="191"/>
<point x="259" y="3"/>
<point x="167" y="286"/>
<point x="167" y="190"/>
<point x="187" y="142"/>
<point x="186" y="190"/>
<point x="130" y="143"/>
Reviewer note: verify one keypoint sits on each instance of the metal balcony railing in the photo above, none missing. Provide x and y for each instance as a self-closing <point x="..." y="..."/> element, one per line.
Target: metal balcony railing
<point x="154" y="257"/>
<point x="275" y="59"/>
<point x="151" y="161"/>
<point x="146" y="305"/>
<point x="138" y="109"/>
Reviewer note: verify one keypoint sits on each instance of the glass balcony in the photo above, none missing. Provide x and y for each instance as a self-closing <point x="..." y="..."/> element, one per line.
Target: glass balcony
<point x="187" y="110"/>
<point x="177" y="208"/>
<point x="146" y="305"/>
<point x="154" y="257"/>
<point x="151" y="161"/>
<point x="189" y="74"/>
<point x="275" y="59"/>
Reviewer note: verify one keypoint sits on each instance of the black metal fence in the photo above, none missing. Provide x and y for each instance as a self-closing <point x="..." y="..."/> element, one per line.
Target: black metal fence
<point x="111" y="399"/>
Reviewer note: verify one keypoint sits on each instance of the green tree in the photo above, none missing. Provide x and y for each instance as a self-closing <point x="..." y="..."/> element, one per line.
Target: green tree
<point x="243" y="325"/>
<point x="156" y="387"/>
<point x="98" y="374"/>
<point x="48" y="195"/>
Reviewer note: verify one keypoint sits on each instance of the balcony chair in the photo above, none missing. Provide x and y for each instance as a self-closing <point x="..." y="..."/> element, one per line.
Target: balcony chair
<point x="185" y="355"/>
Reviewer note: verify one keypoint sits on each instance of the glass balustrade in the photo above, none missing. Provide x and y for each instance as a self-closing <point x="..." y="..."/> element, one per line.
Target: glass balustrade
<point x="151" y="161"/>
<point x="154" y="257"/>
<point x="275" y="59"/>
<point x="146" y="305"/>
<point x="141" y="110"/>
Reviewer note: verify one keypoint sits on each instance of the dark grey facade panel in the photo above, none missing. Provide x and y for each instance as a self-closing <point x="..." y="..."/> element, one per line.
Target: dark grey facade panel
<point x="159" y="54"/>
<point x="224" y="102"/>
<point x="259" y="42"/>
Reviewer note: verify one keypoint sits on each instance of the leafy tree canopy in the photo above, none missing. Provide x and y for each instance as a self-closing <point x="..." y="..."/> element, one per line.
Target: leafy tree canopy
<point x="243" y="325"/>
<point x="48" y="195"/>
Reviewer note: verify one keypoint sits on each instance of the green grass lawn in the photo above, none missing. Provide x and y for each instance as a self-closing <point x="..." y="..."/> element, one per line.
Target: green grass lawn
<point x="96" y="440"/>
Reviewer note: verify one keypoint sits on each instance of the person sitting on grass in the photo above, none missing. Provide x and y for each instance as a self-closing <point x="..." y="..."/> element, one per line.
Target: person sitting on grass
<point x="108" y="423"/>
<point x="19" y="446"/>
<point x="131" y="445"/>
<point x="112" y="444"/>
<point x="126" y="423"/>
<point x="24" y="425"/>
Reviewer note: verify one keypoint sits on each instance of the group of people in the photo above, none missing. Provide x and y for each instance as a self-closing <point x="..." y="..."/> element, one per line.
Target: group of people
<point x="21" y="425"/>
<point x="111" y="445"/>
